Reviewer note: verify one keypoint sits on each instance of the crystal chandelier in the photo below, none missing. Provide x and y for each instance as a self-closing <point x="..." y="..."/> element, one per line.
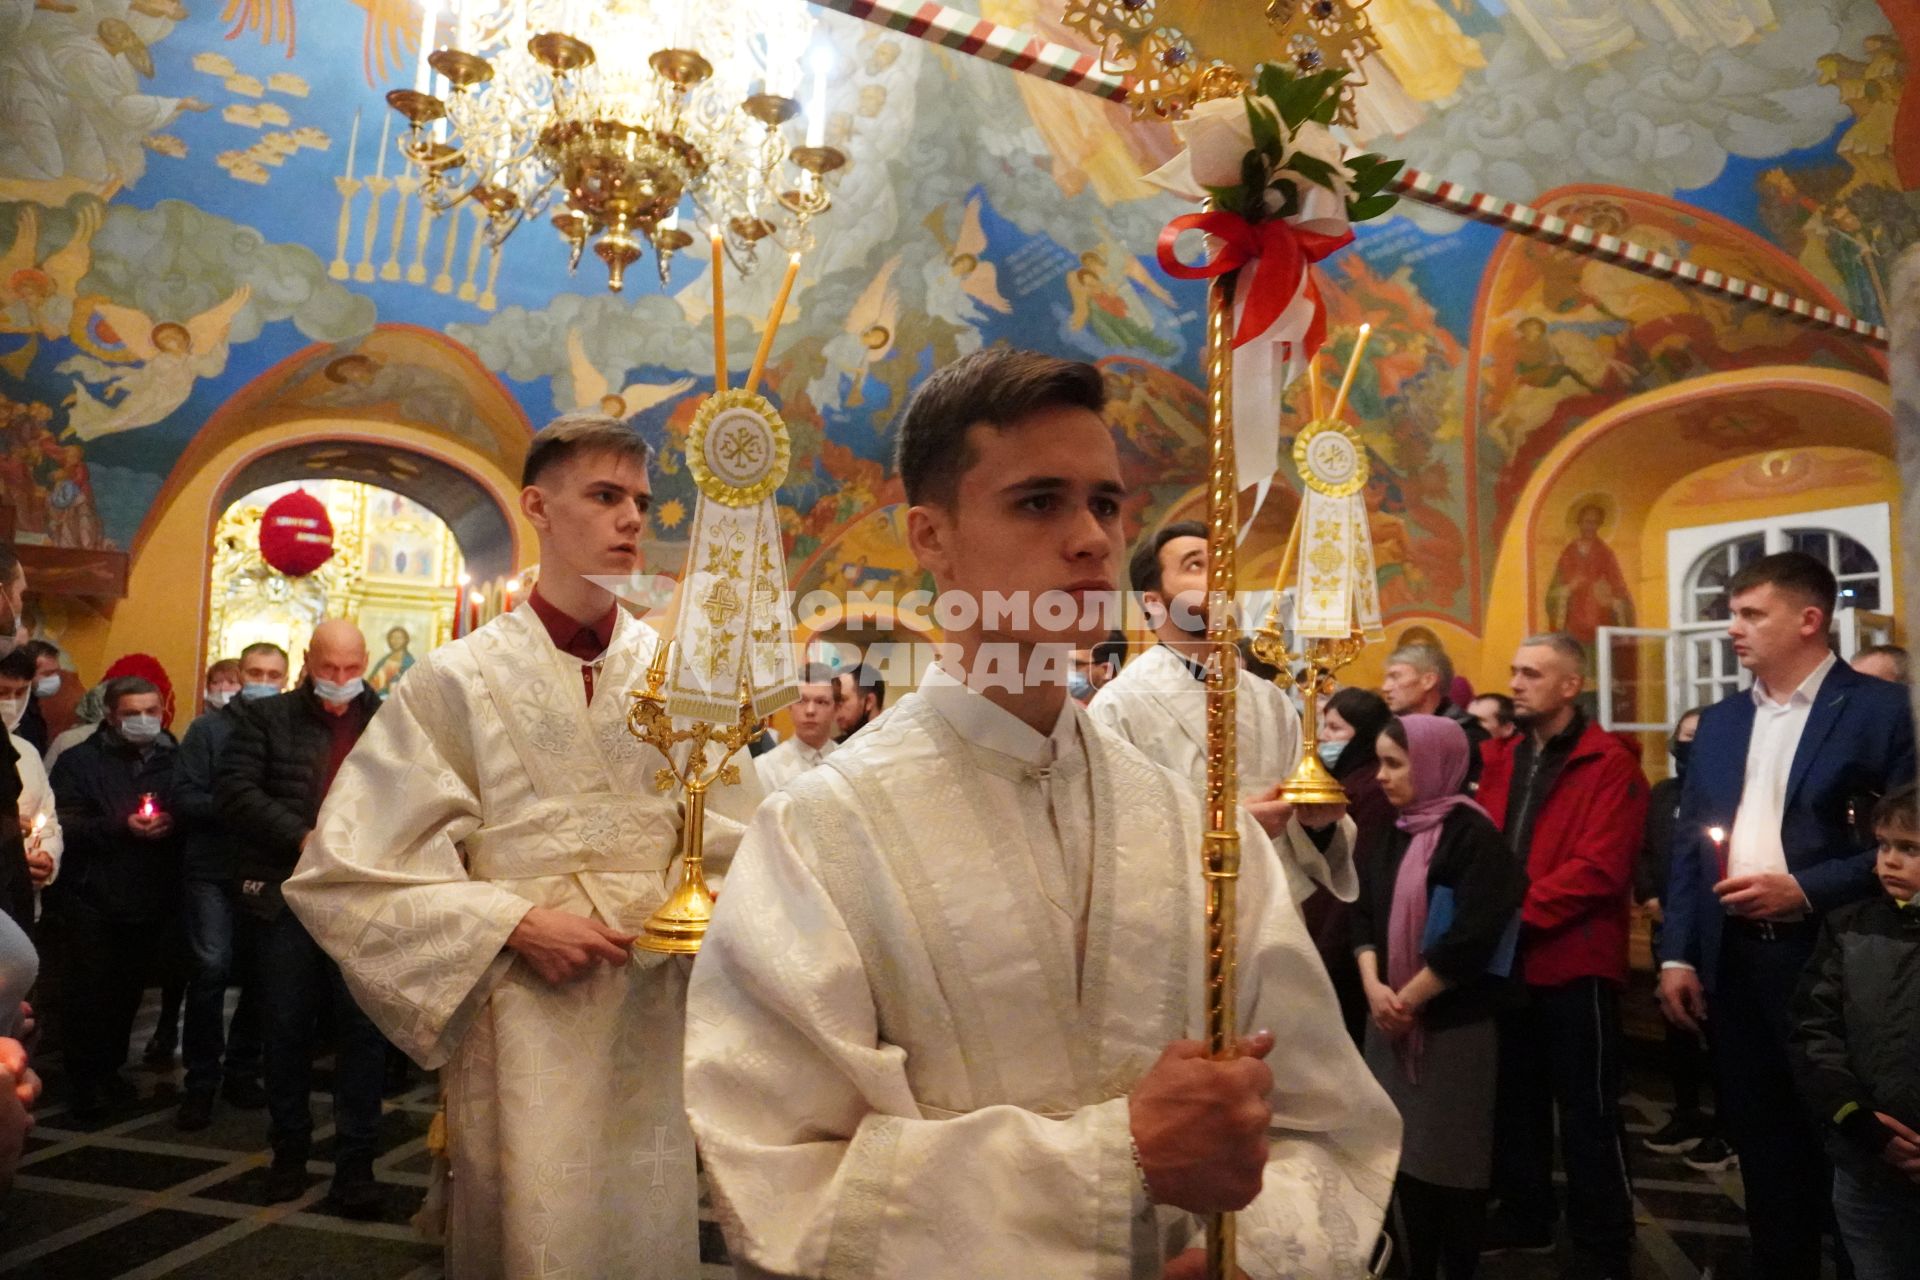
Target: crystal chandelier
<point x="610" y="112"/>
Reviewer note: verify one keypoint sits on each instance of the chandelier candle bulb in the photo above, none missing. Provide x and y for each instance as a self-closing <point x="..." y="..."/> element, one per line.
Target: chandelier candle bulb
<point x="817" y="101"/>
<point x="422" y="73"/>
<point x="1353" y="369"/>
<point x="773" y="323"/>
<point x="719" y="314"/>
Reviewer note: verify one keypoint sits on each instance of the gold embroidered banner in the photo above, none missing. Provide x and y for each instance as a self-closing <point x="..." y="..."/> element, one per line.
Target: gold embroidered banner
<point x="1339" y="589"/>
<point x="732" y="629"/>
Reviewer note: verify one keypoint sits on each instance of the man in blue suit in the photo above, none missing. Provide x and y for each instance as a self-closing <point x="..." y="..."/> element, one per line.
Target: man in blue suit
<point x="1765" y="844"/>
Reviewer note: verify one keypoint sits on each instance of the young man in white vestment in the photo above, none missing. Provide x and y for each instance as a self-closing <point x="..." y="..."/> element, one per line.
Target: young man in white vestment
<point x="1158" y="702"/>
<point x="486" y="857"/>
<point x="940" y="1026"/>
<point x="812" y="740"/>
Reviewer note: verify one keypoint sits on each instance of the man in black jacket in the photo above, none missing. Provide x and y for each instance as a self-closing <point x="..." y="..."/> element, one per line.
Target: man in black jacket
<point x="279" y="762"/>
<point x="212" y="883"/>
<point x="120" y="883"/>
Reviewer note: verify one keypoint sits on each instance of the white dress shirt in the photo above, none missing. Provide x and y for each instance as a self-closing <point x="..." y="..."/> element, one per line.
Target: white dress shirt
<point x="1041" y="781"/>
<point x="788" y="761"/>
<point x="1754" y="846"/>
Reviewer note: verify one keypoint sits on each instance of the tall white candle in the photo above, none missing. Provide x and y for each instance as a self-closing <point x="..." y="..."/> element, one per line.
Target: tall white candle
<point x="380" y="165"/>
<point x="422" y="73"/>
<point x="353" y="143"/>
<point x="817" y="106"/>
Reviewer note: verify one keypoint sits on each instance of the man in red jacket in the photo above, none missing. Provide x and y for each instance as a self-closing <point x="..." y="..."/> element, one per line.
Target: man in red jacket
<point x="1571" y="801"/>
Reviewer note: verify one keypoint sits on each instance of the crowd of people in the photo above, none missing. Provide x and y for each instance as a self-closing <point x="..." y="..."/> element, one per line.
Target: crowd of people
<point x="147" y="854"/>
<point x="945" y="1021"/>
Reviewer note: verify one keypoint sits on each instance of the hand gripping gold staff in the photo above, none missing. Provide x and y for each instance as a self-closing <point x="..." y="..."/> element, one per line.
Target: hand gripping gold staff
<point x="679" y="925"/>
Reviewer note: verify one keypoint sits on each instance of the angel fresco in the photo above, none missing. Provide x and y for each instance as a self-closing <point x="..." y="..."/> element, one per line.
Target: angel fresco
<point x="863" y="341"/>
<point x="37" y="290"/>
<point x="361" y="381"/>
<point x="593" y="390"/>
<point x="1112" y="310"/>
<point x="962" y="282"/>
<point x="172" y="357"/>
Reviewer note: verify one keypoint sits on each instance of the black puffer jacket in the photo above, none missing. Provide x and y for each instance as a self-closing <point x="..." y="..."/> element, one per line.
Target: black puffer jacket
<point x="1856" y="1033"/>
<point x="211" y="852"/>
<point x="273" y="777"/>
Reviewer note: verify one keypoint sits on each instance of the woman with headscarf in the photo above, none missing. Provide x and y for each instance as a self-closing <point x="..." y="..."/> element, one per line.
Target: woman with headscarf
<point x="1433" y="932"/>
<point x="1349" y="723"/>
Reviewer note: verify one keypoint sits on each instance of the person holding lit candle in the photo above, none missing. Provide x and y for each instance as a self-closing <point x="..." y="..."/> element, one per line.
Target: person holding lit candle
<point x="120" y="890"/>
<point x="1782" y="767"/>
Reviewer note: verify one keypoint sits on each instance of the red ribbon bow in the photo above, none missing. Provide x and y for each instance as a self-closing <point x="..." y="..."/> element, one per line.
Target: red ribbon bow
<point x="1280" y="253"/>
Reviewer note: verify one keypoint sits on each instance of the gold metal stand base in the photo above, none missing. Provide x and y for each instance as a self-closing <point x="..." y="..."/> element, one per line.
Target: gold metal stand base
<point x="679" y="925"/>
<point x="1310" y="783"/>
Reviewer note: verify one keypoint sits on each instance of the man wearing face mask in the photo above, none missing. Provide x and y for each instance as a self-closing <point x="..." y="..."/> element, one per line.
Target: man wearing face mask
<point x="56" y="690"/>
<point x="279" y="762"/>
<point x="219" y="951"/>
<point x="120" y="885"/>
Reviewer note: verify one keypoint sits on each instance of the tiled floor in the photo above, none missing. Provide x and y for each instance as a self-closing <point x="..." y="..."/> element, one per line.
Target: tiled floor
<point x="132" y="1197"/>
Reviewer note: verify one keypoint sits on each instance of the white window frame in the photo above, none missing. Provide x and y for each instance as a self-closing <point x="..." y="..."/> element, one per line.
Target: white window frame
<point x="1869" y="524"/>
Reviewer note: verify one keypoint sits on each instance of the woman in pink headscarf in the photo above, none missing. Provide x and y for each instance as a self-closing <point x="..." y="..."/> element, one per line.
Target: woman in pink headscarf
<point x="1433" y="932"/>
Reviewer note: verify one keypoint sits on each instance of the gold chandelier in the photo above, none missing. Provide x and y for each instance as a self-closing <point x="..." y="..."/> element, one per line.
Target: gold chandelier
<point x="610" y="113"/>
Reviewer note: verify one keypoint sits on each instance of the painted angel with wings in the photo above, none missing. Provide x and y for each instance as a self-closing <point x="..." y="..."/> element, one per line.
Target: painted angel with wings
<point x="594" y="390"/>
<point x="172" y="357"/>
<point x="864" y="341"/>
<point x="964" y="281"/>
<point x="37" y="293"/>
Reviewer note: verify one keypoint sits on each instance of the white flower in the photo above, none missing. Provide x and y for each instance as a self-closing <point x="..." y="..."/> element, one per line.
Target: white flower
<point x="1217" y="137"/>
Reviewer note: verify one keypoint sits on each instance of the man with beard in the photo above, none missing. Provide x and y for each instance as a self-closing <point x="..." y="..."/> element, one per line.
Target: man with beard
<point x="859" y="694"/>
<point x="1158" y="703"/>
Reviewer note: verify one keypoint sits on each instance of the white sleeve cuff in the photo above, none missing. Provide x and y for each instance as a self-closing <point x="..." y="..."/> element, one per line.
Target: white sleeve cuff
<point x="1675" y="964"/>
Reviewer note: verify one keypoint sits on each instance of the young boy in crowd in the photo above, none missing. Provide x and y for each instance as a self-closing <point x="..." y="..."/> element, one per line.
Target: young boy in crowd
<point x="1856" y="1046"/>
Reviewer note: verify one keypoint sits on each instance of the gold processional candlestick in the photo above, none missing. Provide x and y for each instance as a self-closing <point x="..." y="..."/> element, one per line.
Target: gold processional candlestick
<point x="1310" y="783"/>
<point x="1220" y="849"/>
<point x="679" y="925"/>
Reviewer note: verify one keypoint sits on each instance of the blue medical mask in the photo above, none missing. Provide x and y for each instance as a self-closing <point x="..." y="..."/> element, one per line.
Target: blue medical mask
<point x="1330" y="752"/>
<point x="219" y="697"/>
<point x="47" y="686"/>
<point x="140" y="729"/>
<point x="328" y="691"/>
<point x="1079" y="688"/>
<point x="255" y="692"/>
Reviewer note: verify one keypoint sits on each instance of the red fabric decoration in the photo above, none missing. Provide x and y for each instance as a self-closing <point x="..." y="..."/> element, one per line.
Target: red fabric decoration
<point x="296" y="537"/>
<point x="148" y="668"/>
<point x="1281" y="254"/>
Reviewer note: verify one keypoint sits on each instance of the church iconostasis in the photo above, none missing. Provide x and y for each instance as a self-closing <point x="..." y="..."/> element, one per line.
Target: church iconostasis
<point x="395" y="572"/>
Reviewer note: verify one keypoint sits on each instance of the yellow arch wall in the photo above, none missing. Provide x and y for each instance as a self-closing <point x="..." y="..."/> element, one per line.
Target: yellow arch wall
<point x="1857" y="416"/>
<point x="165" y="609"/>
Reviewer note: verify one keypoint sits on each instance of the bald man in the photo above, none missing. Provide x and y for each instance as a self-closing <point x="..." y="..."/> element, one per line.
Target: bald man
<point x="278" y="765"/>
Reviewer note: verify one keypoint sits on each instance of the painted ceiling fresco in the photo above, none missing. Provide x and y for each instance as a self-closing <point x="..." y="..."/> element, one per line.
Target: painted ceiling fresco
<point x="202" y="205"/>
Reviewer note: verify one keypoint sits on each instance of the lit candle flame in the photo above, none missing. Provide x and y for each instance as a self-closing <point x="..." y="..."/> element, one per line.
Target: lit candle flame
<point x="1717" y="834"/>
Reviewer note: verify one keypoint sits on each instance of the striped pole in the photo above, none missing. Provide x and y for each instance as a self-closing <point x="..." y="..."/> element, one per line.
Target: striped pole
<point x="1032" y="55"/>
